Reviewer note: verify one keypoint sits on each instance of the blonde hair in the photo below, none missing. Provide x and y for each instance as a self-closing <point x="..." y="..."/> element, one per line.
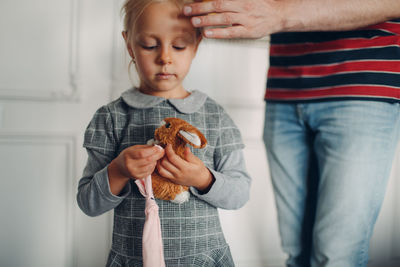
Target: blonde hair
<point x="132" y="9"/>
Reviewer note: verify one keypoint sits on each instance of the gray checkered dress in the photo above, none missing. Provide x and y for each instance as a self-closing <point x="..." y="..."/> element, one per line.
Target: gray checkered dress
<point x="191" y="231"/>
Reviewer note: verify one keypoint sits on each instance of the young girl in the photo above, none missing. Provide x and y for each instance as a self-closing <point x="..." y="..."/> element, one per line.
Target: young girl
<point x="162" y="44"/>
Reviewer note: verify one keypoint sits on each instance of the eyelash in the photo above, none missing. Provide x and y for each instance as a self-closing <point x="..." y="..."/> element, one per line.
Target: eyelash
<point x="179" y="48"/>
<point x="148" y="47"/>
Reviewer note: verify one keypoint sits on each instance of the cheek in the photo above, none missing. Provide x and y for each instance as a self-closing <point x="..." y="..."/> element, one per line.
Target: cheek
<point x="143" y="63"/>
<point x="186" y="61"/>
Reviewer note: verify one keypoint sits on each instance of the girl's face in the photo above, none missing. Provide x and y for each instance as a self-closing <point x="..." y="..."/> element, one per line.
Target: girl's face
<point x="163" y="47"/>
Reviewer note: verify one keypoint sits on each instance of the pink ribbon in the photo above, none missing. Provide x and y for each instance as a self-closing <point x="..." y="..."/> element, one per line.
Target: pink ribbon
<point x="152" y="245"/>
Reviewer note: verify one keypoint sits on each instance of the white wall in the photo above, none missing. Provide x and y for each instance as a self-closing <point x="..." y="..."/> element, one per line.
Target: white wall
<point x="59" y="62"/>
<point x="234" y="73"/>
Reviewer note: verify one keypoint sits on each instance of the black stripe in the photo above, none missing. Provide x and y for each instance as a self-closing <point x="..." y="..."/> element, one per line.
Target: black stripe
<point x="367" y="78"/>
<point x="317" y="37"/>
<point x="383" y="53"/>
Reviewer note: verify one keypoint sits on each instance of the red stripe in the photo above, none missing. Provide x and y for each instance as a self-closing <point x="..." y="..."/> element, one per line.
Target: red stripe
<point x="340" y="91"/>
<point x="392" y="27"/>
<point x="321" y="70"/>
<point x="342" y="44"/>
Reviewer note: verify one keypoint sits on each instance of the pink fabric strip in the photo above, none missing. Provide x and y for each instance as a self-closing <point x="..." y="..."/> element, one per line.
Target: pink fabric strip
<point x="152" y="247"/>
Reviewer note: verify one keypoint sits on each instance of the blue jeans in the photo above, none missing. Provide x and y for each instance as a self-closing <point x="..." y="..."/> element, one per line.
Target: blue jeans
<point x="329" y="163"/>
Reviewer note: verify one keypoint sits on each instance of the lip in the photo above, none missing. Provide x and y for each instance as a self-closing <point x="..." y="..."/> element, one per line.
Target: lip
<point x="164" y="75"/>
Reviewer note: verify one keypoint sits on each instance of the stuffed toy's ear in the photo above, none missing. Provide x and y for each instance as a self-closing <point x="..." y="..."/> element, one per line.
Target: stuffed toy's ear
<point x="173" y="128"/>
<point x="192" y="136"/>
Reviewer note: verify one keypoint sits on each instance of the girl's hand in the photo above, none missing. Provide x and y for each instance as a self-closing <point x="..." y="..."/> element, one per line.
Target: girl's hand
<point x="190" y="171"/>
<point x="134" y="162"/>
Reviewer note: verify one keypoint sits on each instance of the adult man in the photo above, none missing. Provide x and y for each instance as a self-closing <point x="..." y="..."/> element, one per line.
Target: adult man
<point x="332" y="116"/>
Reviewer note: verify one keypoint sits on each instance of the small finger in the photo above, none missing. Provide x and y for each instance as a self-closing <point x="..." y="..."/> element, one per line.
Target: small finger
<point x="189" y="156"/>
<point x="167" y="165"/>
<point x="143" y="151"/>
<point x="141" y="171"/>
<point x="173" y="157"/>
<point x="144" y="158"/>
<point x="164" y="172"/>
<point x="143" y="162"/>
<point x="158" y="154"/>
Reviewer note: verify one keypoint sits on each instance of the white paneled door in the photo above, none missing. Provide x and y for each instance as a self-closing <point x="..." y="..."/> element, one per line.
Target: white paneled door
<point x="61" y="60"/>
<point x="55" y="70"/>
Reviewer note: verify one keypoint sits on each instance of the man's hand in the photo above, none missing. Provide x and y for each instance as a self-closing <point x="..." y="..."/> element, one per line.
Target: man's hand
<point x="240" y="18"/>
<point x="259" y="18"/>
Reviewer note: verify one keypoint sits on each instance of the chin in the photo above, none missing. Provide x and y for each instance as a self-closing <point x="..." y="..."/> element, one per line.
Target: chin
<point x="166" y="87"/>
<point x="165" y="92"/>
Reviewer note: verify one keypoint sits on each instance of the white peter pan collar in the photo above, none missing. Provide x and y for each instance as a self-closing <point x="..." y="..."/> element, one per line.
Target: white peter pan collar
<point x="190" y="104"/>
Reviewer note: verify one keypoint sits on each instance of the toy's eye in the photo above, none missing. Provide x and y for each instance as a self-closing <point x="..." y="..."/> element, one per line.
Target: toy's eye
<point x="167" y="125"/>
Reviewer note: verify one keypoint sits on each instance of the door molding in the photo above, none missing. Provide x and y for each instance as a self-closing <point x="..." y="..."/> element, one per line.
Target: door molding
<point x="70" y="90"/>
<point x="68" y="141"/>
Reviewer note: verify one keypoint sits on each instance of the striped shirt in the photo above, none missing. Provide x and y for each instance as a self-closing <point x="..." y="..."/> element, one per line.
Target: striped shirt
<point x="359" y="64"/>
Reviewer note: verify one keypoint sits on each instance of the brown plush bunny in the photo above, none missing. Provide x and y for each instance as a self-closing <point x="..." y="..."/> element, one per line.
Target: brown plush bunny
<point x="178" y="133"/>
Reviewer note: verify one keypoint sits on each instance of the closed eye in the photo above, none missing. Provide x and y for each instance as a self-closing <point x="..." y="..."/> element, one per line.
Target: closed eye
<point x="149" y="47"/>
<point x="179" y="47"/>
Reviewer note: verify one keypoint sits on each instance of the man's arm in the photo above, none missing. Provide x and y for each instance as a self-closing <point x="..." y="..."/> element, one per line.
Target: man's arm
<point x="258" y="18"/>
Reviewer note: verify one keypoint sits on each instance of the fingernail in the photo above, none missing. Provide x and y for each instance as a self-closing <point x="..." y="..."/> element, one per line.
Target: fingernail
<point x="208" y="33"/>
<point x="196" y="21"/>
<point x="187" y="10"/>
<point x="159" y="147"/>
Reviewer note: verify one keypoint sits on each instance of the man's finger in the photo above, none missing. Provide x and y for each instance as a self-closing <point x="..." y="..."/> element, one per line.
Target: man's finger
<point x="217" y="6"/>
<point x="222" y="19"/>
<point x="227" y="33"/>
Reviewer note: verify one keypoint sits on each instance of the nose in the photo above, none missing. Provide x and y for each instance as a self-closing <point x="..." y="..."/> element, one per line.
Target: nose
<point x="165" y="56"/>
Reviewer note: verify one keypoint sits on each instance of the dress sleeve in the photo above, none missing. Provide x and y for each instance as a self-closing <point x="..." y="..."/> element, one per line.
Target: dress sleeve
<point x="229" y="137"/>
<point x="231" y="187"/>
<point x="94" y="196"/>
